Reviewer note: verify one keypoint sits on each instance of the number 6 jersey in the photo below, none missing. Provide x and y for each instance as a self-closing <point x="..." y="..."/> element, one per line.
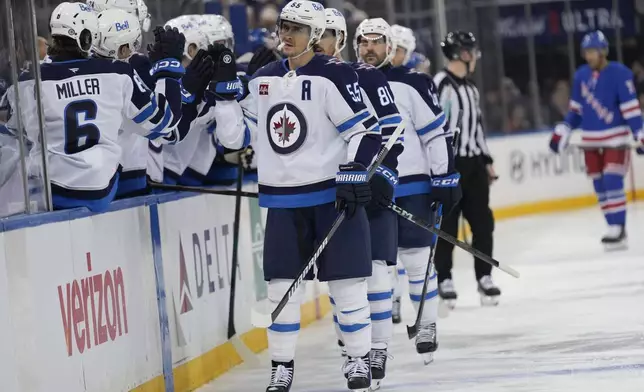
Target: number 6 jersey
<point x="85" y="103"/>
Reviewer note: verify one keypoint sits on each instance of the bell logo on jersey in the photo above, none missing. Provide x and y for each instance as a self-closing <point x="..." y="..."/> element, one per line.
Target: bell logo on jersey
<point x="286" y="128"/>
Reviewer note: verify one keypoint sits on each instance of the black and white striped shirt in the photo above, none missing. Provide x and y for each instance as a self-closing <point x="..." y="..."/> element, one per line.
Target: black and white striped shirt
<point x="461" y="94"/>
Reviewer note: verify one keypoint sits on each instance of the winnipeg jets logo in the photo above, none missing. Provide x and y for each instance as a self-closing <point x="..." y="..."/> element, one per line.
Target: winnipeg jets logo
<point x="286" y="128"/>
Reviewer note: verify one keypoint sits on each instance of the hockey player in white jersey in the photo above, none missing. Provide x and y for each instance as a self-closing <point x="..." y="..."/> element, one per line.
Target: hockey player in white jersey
<point x="376" y="94"/>
<point x="426" y="168"/>
<point x="405" y="43"/>
<point x="312" y="130"/>
<point x="87" y="100"/>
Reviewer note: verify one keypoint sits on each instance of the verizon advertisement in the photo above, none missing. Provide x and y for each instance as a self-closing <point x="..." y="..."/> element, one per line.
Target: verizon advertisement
<point x="83" y="304"/>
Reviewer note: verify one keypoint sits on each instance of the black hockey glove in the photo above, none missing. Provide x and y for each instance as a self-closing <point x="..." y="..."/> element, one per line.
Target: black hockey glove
<point x="198" y="75"/>
<point x="166" y="53"/>
<point x="383" y="184"/>
<point x="226" y="85"/>
<point x="261" y="57"/>
<point x="446" y="190"/>
<point x="352" y="188"/>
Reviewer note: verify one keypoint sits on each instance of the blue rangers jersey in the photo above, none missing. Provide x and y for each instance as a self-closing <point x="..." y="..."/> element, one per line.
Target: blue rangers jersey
<point x="428" y="141"/>
<point x="604" y="105"/>
<point x="378" y="97"/>
<point x="308" y="122"/>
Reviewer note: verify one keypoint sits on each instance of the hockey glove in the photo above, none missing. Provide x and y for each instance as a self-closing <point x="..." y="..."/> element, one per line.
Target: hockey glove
<point x="352" y="188"/>
<point x="166" y="53"/>
<point x="446" y="190"/>
<point x="383" y="184"/>
<point x="261" y="57"/>
<point x="226" y="85"/>
<point x="198" y="75"/>
<point x="640" y="139"/>
<point x="560" y="138"/>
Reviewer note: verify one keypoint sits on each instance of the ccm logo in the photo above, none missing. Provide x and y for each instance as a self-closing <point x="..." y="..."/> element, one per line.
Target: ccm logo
<point x="167" y="64"/>
<point x="388" y="175"/>
<point x="444" y="182"/>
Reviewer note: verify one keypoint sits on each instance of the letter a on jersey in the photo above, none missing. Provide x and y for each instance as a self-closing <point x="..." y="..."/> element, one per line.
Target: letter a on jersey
<point x="286" y="128"/>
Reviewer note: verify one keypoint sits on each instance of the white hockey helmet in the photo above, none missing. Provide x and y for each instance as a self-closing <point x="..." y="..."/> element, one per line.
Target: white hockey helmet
<point x="129" y="6"/>
<point x="116" y="28"/>
<point x="76" y="21"/>
<point x="308" y="13"/>
<point x="379" y="27"/>
<point x="336" y="21"/>
<point x="218" y="29"/>
<point x="404" y="38"/>
<point x="194" y="37"/>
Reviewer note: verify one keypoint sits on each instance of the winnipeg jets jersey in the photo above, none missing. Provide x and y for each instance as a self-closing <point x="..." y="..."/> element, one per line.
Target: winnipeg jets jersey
<point x="428" y="148"/>
<point x="604" y="105"/>
<point x="379" y="99"/>
<point x="306" y="121"/>
<point x="85" y="103"/>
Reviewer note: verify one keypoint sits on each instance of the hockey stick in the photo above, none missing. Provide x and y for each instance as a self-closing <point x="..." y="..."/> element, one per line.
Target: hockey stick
<point x="242" y="349"/>
<point x="629" y="146"/>
<point x="263" y="320"/>
<point x="446" y="237"/>
<point x="198" y="189"/>
<point x="412" y="330"/>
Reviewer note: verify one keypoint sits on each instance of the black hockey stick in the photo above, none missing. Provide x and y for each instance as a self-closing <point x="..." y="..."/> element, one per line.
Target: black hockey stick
<point x="412" y="330"/>
<point x="198" y="189"/>
<point x="447" y="237"/>
<point x="247" y="355"/>
<point x="262" y="320"/>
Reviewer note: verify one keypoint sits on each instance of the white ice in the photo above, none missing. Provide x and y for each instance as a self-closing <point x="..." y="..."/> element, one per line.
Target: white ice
<point x="574" y="321"/>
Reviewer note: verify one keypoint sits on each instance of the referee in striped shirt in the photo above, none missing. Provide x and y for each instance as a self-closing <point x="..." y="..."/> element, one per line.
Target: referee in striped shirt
<point x="458" y="95"/>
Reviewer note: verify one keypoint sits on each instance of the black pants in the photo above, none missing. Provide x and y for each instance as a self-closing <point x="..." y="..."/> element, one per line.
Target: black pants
<point x="475" y="207"/>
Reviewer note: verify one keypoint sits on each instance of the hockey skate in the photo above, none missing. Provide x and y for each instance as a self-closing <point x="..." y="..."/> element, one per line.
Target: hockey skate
<point x="615" y="238"/>
<point x="357" y="371"/>
<point x="281" y="376"/>
<point x="448" y="296"/>
<point x="488" y="291"/>
<point x="378" y="359"/>
<point x="395" y="311"/>
<point x="426" y="343"/>
<point x="344" y="349"/>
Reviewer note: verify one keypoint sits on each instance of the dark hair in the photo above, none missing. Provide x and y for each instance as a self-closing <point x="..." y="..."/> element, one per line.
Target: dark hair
<point x="65" y="47"/>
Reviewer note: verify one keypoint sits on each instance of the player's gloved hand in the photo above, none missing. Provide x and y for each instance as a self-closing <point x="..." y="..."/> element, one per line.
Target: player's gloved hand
<point x="640" y="139"/>
<point x="261" y="57"/>
<point x="383" y="183"/>
<point x="352" y="188"/>
<point x="560" y="138"/>
<point x="198" y="75"/>
<point x="226" y="85"/>
<point x="166" y="52"/>
<point x="446" y="190"/>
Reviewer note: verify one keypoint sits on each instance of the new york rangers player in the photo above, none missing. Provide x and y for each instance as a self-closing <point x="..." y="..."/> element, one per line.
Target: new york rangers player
<point x="382" y="221"/>
<point x="87" y="100"/>
<point x="315" y="139"/>
<point x="605" y="107"/>
<point x="427" y="156"/>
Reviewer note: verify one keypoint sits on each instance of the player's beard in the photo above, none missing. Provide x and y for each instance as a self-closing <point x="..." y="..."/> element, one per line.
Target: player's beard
<point x="372" y="58"/>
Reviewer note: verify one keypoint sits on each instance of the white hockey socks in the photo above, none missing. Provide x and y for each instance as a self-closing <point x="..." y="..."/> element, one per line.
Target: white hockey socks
<point x="353" y="313"/>
<point x="415" y="261"/>
<point x="379" y="295"/>
<point x="282" y="334"/>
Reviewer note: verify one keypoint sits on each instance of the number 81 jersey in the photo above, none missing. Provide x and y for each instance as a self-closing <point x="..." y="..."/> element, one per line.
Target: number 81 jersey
<point x="308" y="122"/>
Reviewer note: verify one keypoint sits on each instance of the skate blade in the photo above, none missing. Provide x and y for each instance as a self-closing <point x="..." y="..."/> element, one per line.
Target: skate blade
<point x="375" y="385"/>
<point x="428" y="358"/>
<point x="489" y="300"/>
<point x="615" y="246"/>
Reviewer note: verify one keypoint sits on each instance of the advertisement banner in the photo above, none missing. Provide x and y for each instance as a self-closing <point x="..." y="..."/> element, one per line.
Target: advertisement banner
<point x="8" y="368"/>
<point x="83" y="303"/>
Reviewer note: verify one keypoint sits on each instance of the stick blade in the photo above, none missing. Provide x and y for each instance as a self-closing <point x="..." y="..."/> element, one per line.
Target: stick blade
<point x="509" y="270"/>
<point x="412" y="331"/>
<point x="247" y="355"/>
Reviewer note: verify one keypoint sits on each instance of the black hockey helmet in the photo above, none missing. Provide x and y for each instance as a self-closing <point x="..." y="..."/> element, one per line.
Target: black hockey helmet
<point x="456" y="41"/>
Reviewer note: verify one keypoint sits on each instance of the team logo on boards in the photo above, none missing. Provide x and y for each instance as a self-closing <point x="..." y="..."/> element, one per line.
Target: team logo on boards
<point x="185" y="296"/>
<point x="286" y="128"/>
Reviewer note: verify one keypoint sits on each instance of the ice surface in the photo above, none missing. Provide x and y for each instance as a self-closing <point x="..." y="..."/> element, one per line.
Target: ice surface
<point x="574" y="321"/>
